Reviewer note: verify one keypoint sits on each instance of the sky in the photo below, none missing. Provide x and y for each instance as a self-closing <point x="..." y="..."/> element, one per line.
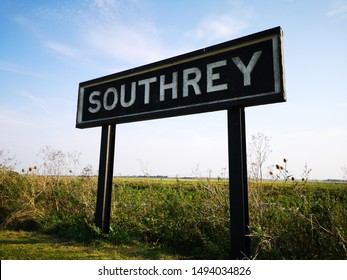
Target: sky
<point x="48" y="47"/>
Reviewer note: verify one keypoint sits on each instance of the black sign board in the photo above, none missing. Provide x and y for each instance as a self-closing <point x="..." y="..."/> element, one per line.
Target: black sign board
<point x="243" y="72"/>
<point x="233" y="75"/>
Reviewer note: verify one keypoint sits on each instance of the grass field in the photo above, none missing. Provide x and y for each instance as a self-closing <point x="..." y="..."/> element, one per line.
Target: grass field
<point x="47" y="217"/>
<point x="23" y="245"/>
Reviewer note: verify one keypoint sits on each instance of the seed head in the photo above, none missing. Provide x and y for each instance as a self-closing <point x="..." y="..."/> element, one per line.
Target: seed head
<point x="30" y="169"/>
<point x="277" y="166"/>
<point x="293" y="178"/>
<point x="285" y="160"/>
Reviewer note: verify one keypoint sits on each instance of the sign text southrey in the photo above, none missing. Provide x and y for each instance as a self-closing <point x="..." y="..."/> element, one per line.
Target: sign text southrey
<point x="236" y="73"/>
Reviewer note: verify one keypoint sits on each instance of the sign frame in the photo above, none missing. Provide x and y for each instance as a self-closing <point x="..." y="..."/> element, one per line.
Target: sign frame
<point x="182" y="105"/>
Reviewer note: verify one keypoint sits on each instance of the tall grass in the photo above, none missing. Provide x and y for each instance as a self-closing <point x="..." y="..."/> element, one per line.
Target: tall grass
<point x="36" y="202"/>
<point x="299" y="222"/>
<point x="192" y="217"/>
<point x="288" y="220"/>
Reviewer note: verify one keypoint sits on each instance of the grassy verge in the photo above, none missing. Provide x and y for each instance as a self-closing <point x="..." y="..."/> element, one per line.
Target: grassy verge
<point x="23" y="245"/>
<point x="175" y="218"/>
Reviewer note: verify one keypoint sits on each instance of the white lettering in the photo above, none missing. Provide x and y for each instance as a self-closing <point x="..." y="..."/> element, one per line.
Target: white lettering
<point x="214" y="76"/>
<point x="246" y="71"/>
<point x="94" y="102"/>
<point x="133" y="95"/>
<point x="112" y="90"/>
<point x="146" y="83"/>
<point x="191" y="82"/>
<point x="172" y="86"/>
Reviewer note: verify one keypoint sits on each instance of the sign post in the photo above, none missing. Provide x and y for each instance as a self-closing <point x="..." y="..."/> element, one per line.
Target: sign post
<point x="230" y="76"/>
<point x="238" y="192"/>
<point x="104" y="194"/>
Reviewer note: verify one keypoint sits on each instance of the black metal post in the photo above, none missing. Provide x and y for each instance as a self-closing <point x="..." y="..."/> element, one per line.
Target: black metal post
<point x="238" y="185"/>
<point x="103" y="200"/>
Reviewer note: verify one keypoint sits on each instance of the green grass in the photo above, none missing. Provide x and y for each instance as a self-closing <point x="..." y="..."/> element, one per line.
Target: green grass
<point x="160" y="219"/>
<point x="23" y="245"/>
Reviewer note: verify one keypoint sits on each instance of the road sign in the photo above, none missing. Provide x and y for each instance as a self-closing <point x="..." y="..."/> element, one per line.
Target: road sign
<point x="243" y="72"/>
<point x="230" y="76"/>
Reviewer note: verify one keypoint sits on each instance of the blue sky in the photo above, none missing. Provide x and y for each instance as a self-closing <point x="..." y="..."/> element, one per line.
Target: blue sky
<point x="48" y="47"/>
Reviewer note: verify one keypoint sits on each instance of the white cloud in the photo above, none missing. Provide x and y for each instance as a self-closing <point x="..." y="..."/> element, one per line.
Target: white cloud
<point x="218" y="28"/>
<point x="113" y="29"/>
<point x="105" y="3"/>
<point x="125" y="44"/>
<point x="233" y="17"/>
<point x="38" y="102"/>
<point x="14" y="68"/>
<point x="7" y="67"/>
<point x="61" y="49"/>
<point x="120" y="30"/>
<point x="116" y="30"/>
<point x="338" y="10"/>
<point x="27" y="23"/>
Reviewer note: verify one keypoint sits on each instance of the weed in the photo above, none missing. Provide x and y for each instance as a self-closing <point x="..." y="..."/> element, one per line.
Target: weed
<point x="288" y="219"/>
